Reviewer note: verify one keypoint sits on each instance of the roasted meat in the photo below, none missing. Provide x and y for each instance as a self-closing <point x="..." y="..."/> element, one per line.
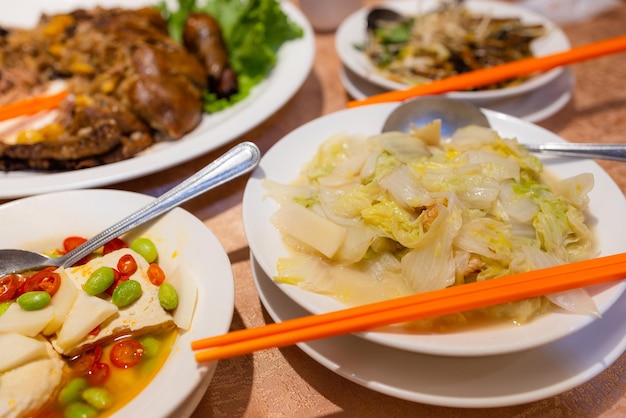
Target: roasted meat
<point x="130" y="84"/>
<point x="203" y="37"/>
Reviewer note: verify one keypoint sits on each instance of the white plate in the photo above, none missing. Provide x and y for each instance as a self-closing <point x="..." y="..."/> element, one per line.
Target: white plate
<point x="295" y="60"/>
<point x="283" y="162"/>
<point x="352" y="32"/>
<point x="476" y="382"/>
<point x="534" y="106"/>
<point x="41" y="222"/>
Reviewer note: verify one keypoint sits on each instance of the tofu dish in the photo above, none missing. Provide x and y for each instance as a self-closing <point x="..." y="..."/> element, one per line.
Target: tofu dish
<point x="85" y="340"/>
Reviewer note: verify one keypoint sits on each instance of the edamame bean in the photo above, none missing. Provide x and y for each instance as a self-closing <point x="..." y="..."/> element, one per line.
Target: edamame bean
<point x="4" y="306"/>
<point x="80" y="410"/>
<point x="73" y="390"/>
<point x="168" y="296"/>
<point x="33" y="301"/>
<point x="98" y="397"/>
<point x="126" y="293"/>
<point x="151" y="346"/>
<point x="99" y="281"/>
<point x="146" y="248"/>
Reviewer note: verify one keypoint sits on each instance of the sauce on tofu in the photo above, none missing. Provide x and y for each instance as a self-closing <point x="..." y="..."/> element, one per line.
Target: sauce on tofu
<point x="84" y="341"/>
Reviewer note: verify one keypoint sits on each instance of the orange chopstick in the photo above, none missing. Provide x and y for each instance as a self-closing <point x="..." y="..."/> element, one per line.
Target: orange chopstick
<point x="501" y="72"/>
<point x="31" y="105"/>
<point x="421" y="305"/>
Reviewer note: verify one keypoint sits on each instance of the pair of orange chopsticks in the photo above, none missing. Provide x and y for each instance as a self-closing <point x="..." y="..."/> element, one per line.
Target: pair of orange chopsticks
<point x="501" y="72"/>
<point x="421" y="305"/>
<point x="31" y="105"/>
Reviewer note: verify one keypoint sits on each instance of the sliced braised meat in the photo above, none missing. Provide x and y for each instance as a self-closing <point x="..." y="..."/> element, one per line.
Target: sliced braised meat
<point x="128" y="147"/>
<point x="162" y="60"/>
<point x="96" y="132"/>
<point x="169" y="103"/>
<point x="96" y="139"/>
<point x="130" y="84"/>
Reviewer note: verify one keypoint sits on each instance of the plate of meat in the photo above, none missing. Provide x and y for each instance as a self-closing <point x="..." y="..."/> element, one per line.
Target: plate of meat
<point x="135" y="102"/>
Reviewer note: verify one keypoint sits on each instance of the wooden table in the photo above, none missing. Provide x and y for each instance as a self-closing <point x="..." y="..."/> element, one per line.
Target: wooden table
<point x="288" y="383"/>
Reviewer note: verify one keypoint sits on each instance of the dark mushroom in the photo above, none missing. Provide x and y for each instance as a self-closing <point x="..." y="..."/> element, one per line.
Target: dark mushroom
<point x="381" y="14"/>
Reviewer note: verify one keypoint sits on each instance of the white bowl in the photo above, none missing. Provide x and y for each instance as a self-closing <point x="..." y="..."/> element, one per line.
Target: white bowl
<point x="41" y="222"/>
<point x="283" y="162"/>
<point x="352" y="31"/>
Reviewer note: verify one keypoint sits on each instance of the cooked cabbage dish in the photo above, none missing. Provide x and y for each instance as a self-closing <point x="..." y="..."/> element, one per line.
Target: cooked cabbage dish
<point x="383" y="216"/>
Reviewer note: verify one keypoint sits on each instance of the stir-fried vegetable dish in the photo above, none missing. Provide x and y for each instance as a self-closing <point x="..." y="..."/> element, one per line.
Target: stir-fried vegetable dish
<point x="447" y="41"/>
<point x="393" y="214"/>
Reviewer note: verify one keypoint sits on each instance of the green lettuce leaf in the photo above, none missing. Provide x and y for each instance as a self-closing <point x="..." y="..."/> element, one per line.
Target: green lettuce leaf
<point x="253" y="30"/>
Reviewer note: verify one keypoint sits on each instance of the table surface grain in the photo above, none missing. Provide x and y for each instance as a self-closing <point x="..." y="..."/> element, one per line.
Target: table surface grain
<point x="286" y="382"/>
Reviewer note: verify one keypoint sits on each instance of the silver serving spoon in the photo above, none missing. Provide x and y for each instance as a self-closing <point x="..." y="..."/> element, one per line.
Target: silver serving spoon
<point x="455" y="114"/>
<point x="237" y="161"/>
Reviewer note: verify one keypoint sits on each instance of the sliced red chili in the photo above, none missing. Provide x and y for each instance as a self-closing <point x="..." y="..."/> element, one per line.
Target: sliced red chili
<point x="127" y="265"/>
<point x="95" y="331"/>
<point x="21" y="284"/>
<point x="118" y="278"/>
<point x="113" y="245"/>
<point x="8" y="287"/>
<point x="96" y="352"/>
<point x="81" y="364"/>
<point x="47" y="280"/>
<point x="156" y="275"/>
<point x="98" y="373"/>
<point x="126" y="353"/>
<point x="70" y="243"/>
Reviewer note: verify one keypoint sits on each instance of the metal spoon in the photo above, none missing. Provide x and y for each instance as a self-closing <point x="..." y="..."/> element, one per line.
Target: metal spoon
<point x="380" y="15"/>
<point x="237" y="161"/>
<point x="455" y="114"/>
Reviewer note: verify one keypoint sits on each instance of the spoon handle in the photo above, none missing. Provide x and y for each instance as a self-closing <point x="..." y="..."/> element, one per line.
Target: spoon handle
<point x="615" y="152"/>
<point x="239" y="160"/>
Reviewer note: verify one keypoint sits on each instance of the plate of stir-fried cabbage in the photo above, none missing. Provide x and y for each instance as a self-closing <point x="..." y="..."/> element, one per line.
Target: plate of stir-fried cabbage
<point x="441" y="39"/>
<point x="341" y="215"/>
